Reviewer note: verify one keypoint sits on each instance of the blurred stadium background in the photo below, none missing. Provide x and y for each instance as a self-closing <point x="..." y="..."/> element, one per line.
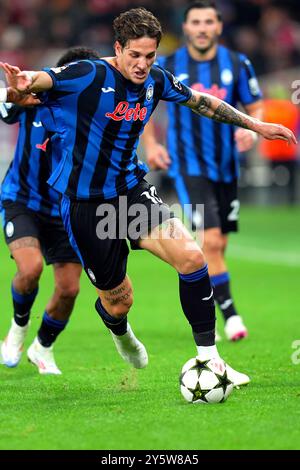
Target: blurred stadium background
<point x="33" y="34"/>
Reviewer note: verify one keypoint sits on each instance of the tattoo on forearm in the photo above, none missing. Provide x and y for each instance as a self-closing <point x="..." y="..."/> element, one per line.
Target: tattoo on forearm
<point x="224" y="113"/>
<point x="228" y="115"/>
<point x="204" y="105"/>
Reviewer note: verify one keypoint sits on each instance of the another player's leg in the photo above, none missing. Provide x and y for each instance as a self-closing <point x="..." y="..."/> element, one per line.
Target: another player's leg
<point x="113" y="306"/>
<point x="28" y="257"/>
<point x="105" y="259"/>
<point x="55" y="317"/>
<point x="215" y="244"/>
<point x="172" y="243"/>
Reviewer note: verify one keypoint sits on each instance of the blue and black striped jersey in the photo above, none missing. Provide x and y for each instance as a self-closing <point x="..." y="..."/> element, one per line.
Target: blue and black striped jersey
<point x="97" y="116"/>
<point x="200" y="146"/>
<point x="26" y="178"/>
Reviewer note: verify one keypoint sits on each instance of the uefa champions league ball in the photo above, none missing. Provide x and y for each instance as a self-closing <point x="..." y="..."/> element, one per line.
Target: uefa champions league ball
<point x="205" y="381"/>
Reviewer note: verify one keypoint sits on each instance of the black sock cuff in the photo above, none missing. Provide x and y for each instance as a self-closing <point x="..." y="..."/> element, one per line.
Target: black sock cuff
<point x="106" y="317"/>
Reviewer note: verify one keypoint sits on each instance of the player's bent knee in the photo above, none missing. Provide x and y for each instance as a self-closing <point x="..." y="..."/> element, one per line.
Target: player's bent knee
<point x="31" y="273"/>
<point x="213" y="244"/>
<point x="192" y="261"/>
<point x="68" y="292"/>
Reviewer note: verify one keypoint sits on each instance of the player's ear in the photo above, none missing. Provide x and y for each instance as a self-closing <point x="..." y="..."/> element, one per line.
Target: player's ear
<point x="220" y="28"/>
<point x="118" y="48"/>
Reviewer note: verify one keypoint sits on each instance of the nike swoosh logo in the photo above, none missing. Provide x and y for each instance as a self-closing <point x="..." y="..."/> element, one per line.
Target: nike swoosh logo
<point x="107" y="90"/>
<point x="182" y="76"/>
<point x="207" y="298"/>
<point x="226" y="304"/>
<point x="21" y="316"/>
<point x="37" y="124"/>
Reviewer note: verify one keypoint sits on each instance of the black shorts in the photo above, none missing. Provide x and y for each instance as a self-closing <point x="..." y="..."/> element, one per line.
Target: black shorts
<point x="19" y="222"/>
<point x="220" y="202"/>
<point x="98" y="230"/>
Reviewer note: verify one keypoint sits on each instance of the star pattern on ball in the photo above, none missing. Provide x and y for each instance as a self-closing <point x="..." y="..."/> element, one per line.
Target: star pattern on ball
<point x="198" y="394"/>
<point x="223" y="381"/>
<point x="200" y="366"/>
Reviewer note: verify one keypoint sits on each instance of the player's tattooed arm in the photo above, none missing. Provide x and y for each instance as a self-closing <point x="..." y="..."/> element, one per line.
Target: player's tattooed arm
<point x="216" y="109"/>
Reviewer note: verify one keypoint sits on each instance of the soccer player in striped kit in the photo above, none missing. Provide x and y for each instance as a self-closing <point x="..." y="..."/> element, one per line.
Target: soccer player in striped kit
<point x="98" y="111"/>
<point x="202" y="155"/>
<point x="34" y="230"/>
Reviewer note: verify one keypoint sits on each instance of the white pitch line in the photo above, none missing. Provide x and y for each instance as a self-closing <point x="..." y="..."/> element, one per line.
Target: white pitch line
<point x="276" y="258"/>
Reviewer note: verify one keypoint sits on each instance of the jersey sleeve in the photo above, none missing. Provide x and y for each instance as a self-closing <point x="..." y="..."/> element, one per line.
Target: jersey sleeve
<point x="174" y="90"/>
<point x="72" y="78"/>
<point x="9" y="113"/>
<point x="248" y="87"/>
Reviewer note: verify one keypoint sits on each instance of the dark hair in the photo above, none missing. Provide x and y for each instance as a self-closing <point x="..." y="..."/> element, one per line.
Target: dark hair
<point x="136" y="23"/>
<point x="202" y="4"/>
<point x="77" y="53"/>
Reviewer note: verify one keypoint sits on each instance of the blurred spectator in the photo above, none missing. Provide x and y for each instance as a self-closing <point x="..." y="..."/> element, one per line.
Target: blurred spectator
<point x="282" y="157"/>
<point x="265" y="30"/>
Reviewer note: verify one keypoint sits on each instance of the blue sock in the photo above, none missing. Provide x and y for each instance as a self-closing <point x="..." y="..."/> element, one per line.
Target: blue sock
<point x="50" y="329"/>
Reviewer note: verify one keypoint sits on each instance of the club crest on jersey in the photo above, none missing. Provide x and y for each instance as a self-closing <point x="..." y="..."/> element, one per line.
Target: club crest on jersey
<point x="10" y="229"/>
<point x="149" y="93"/>
<point x="227" y="76"/>
<point x="122" y="111"/>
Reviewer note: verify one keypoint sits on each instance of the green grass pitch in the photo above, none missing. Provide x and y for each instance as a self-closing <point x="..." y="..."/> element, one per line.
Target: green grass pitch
<point x="101" y="403"/>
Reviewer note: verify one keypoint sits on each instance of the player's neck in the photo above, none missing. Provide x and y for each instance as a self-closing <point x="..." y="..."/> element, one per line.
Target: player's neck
<point x="112" y="61"/>
<point x="202" y="56"/>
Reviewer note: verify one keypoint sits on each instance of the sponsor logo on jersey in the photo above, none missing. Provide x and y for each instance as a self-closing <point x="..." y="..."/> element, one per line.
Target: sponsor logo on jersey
<point x="213" y="90"/>
<point x="122" y="111"/>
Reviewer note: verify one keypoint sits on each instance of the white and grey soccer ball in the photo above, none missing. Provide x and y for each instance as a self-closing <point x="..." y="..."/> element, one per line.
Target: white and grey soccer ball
<point x="205" y="381"/>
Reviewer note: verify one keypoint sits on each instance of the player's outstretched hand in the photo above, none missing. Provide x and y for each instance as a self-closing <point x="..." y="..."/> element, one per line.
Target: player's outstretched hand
<point x="158" y="158"/>
<point x="275" y="131"/>
<point x="21" y="81"/>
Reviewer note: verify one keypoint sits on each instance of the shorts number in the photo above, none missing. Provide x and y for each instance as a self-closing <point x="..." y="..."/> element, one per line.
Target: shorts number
<point x="233" y="216"/>
<point x="152" y="195"/>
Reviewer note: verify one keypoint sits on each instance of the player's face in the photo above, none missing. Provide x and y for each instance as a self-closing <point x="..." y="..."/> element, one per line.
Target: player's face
<point x="136" y="58"/>
<point x="202" y="28"/>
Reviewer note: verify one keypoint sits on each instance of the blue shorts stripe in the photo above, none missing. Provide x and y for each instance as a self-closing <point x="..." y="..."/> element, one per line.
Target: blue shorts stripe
<point x="65" y="214"/>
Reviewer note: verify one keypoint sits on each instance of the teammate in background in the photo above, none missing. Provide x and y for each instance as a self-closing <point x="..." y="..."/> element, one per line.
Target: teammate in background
<point x="33" y="229"/>
<point x="101" y="108"/>
<point x="202" y="156"/>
